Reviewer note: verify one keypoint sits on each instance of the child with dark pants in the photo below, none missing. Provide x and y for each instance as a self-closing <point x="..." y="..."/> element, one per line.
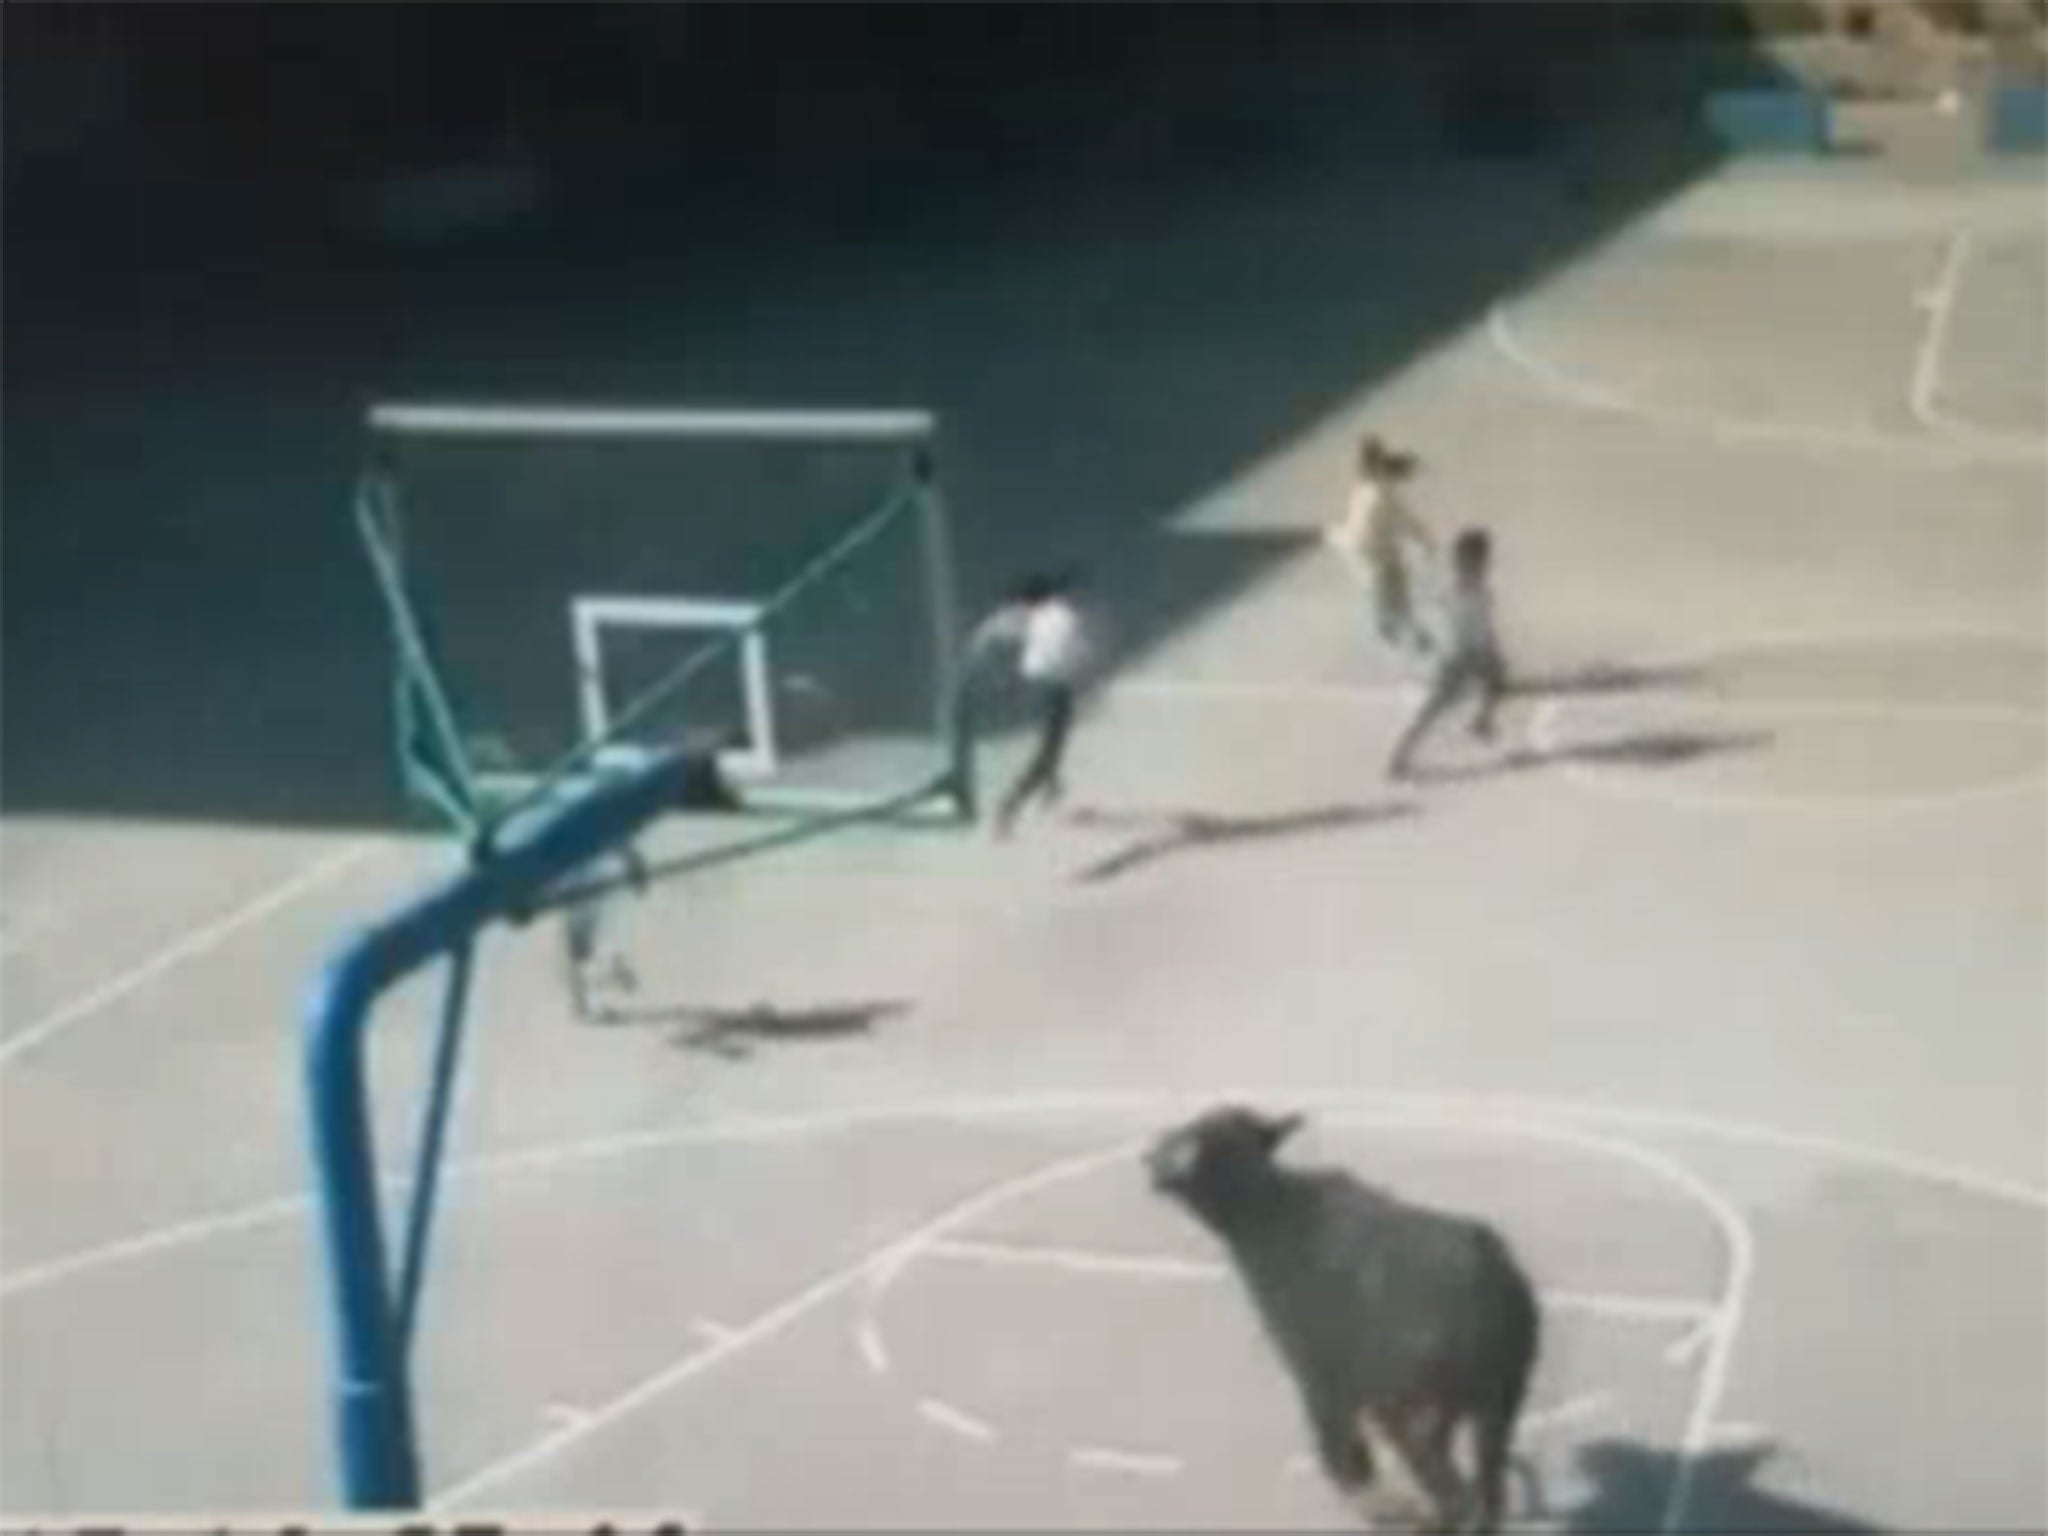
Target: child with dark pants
<point x="1470" y="660"/>
<point x="1041" y="623"/>
<point x="1041" y="779"/>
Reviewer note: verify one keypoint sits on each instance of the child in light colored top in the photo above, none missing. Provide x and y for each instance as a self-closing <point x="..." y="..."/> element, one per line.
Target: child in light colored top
<point x="1471" y="655"/>
<point x="1374" y="536"/>
<point x="1043" y="624"/>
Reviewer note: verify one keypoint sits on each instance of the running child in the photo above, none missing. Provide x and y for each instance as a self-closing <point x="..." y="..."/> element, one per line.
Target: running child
<point x="1471" y="656"/>
<point x="1041" y="621"/>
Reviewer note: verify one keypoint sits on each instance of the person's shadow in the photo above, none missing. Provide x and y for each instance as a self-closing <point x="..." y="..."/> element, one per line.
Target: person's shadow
<point x="1638" y="749"/>
<point x="1633" y="1482"/>
<point x="733" y="1034"/>
<point x="1666" y="748"/>
<point x="1609" y="677"/>
<point x="1167" y="833"/>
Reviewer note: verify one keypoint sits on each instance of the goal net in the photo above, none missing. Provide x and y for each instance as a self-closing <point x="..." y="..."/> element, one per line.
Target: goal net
<point x="573" y="591"/>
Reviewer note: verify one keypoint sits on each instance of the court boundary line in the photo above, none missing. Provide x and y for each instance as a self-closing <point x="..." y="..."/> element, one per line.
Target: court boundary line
<point x="1549" y="711"/>
<point x="1165" y="1267"/>
<point x="1051" y="1106"/>
<point x="758" y="1330"/>
<point x="1923" y="389"/>
<point x="197" y="942"/>
<point x="490" y="1166"/>
<point x="1560" y="386"/>
<point x="1200" y="691"/>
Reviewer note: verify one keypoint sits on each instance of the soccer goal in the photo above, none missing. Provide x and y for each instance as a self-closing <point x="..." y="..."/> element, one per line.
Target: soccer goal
<point x="572" y="591"/>
<point x="597" y="618"/>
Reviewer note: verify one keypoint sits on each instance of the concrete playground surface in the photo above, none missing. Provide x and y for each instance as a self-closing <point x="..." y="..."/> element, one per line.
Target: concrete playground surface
<point x="1717" y="983"/>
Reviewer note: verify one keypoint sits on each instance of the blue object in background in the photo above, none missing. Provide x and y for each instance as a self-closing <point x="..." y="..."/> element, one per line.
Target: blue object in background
<point x="2016" y="121"/>
<point x="373" y="1318"/>
<point x="1772" y="120"/>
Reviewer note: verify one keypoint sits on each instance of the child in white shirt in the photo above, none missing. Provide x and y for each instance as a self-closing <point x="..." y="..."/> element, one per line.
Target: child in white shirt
<point x="1043" y="623"/>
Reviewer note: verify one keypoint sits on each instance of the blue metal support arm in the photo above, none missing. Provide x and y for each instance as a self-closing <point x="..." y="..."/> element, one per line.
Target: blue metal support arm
<point x="373" y="1407"/>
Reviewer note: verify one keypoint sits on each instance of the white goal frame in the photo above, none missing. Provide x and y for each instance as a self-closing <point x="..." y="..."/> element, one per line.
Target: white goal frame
<point x="591" y="615"/>
<point x="822" y="426"/>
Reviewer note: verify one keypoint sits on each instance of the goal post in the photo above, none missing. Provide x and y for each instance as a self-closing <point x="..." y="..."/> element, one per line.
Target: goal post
<point x="372" y="1303"/>
<point x="816" y="599"/>
<point x="680" y="423"/>
<point x="523" y="612"/>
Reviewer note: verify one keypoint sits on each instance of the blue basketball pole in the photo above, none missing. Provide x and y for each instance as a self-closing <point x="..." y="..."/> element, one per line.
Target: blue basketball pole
<point x="372" y="1328"/>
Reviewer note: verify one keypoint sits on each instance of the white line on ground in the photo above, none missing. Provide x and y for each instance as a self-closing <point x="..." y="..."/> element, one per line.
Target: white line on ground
<point x="1170" y="690"/>
<point x="1642" y="1309"/>
<point x="1538" y="1421"/>
<point x="1700" y="701"/>
<point x="164" y="1239"/>
<point x="1543" y="736"/>
<point x="1701" y="1424"/>
<point x="1924" y="388"/>
<point x="1923" y="392"/>
<point x="1562" y="386"/>
<point x="1076" y="1260"/>
<point x="1734" y="1436"/>
<point x="767" y="1325"/>
<point x="194" y="944"/>
<point x="1550" y="710"/>
<point x="1165" y="1267"/>
<point x="873" y="1351"/>
<point x="710" y="1332"/>
<point x="1711" y="1388"/>
<point x="1106" y="1458"/>
<point x="1154" y="1105"/>
<point x="955" y="1421"/>
<point x="1686" y="1347"/>
<point x="1739" y="1245"/>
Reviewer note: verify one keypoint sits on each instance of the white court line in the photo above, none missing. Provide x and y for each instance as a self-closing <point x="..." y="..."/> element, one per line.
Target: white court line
<point x="1734" y="1436"/>
<point x="1573" y="1409"/>
<point x="198" y="942"/>
<point x="956" y="1421"/>
<point x="1923" y="392"/>
<point x="1087" y="1104"/>
<point x="1169" y="690"/>
<point x="1562" y="386"/>
<point x="1076" y="1261"/>
<point x="1902" y="713"/>
<point x="1248" y="691"/>
<point x="164" y="1239"/>
<point x="874" y="1350"/>
<point x="1940" y="302"/>
<point x="1686" y="1348"/>
<point x="1548" y="711"/>
<point x="766" y="1326"/>
<point x="488" y="1166"/>
<point x="1082" y="1261"/>
<point x="1106" y="1458"/>
<point x="1643" y="1309"/>
<point x="1541" y="732"/>
<point x="1726" y="1326"/>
